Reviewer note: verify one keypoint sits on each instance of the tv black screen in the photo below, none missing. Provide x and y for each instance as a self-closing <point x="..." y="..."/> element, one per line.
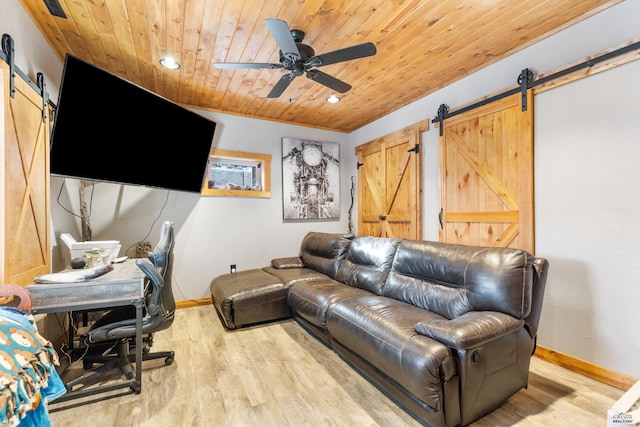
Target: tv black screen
<point x="109" y="129"/>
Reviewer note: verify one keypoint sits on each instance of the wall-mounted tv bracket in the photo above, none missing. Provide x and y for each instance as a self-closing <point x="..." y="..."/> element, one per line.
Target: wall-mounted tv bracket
<point x="7" y="48"/>
<point x="43" y="93"/>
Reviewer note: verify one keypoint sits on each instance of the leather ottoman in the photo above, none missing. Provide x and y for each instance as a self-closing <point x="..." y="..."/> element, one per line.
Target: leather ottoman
<point x="247" y="297"/>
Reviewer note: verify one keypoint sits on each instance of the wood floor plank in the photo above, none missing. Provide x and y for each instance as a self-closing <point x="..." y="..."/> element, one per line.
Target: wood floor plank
<point x="279" y="375"/>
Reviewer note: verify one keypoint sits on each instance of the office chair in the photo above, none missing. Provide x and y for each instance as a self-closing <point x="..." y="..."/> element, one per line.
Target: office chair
<point x="117" y="327"/>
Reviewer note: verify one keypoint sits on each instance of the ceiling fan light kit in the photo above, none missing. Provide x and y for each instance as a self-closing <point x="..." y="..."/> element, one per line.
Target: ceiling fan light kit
<point x="299" y="58"/>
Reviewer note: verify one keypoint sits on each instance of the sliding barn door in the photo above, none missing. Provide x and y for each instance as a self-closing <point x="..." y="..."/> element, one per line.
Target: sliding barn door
<point x="486" y="160"/>
<point x="390" y="185"/>
<point x="24" y="141"/>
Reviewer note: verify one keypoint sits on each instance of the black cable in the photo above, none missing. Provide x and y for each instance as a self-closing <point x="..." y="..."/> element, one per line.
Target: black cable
<point x="63" y="207"/>
<point x="166" y="200"/>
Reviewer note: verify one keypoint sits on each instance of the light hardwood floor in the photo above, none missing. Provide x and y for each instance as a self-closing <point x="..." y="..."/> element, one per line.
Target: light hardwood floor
<point x="279" y="375"/>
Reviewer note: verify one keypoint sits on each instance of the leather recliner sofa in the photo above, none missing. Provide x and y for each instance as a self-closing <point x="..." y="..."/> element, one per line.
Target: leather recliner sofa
<point x="447" y="331"/>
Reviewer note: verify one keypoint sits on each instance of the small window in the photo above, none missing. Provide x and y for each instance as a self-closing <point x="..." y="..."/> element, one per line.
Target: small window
<point x="234" y="173"/>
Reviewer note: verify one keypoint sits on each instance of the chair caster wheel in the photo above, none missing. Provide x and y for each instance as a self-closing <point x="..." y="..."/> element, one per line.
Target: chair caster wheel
<point x="168" y="361"/>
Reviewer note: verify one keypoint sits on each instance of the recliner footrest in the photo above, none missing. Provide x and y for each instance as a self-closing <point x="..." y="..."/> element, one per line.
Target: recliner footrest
<point x="250" y="296"/>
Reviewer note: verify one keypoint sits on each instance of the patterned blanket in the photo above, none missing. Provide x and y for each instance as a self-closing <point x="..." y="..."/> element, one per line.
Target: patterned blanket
<point x="27" y="369"/>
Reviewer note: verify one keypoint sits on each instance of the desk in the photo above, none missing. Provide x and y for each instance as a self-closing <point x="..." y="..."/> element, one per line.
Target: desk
<point x="124" y="285"/>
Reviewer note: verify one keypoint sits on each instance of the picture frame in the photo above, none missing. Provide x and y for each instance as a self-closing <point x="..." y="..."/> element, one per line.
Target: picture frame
<point x="310" y="180"/>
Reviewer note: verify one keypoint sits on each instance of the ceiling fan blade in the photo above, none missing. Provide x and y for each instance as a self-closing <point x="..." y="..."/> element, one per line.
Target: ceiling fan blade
<point x="340" y="55"/>
<point x="280" y="31"/>
<point x="328" y="81"/>
<point x="245" y="65"/>
<point x="281" y="86"/>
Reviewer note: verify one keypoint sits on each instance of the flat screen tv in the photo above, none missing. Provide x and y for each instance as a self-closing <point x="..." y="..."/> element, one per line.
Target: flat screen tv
<point x="109" y="129"/>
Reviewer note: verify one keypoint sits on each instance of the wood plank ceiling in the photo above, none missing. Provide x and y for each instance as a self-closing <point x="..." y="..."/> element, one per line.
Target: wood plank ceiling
<point x="422" y="46"/>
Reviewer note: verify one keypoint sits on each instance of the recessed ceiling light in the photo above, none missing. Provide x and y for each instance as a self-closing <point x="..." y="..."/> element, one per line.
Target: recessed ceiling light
<point x="170" y="63"/>
<point x="332" y="99"/>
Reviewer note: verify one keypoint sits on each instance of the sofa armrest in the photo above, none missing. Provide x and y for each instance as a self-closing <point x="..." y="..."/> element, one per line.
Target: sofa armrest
<point x="469" y="330"/>
<point x="290" y="262"/>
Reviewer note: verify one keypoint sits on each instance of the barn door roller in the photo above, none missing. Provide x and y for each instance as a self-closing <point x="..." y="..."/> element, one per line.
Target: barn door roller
<point x="43" y="93"/>
<point x="524" y="80"/>
<point x="7" y="48"/>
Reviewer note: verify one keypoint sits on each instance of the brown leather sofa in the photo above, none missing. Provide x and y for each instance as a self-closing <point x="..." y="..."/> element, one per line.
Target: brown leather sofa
<point x="447" y="331"/>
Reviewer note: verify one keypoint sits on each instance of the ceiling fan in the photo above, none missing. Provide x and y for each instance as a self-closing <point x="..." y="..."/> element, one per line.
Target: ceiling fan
<point x="300" y="58"/>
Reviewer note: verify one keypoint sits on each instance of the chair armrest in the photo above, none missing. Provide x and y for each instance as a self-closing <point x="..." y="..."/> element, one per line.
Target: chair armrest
<point x="290" y="262"/>
<point x="156" y="281"/>
<point x="469" y="330"/>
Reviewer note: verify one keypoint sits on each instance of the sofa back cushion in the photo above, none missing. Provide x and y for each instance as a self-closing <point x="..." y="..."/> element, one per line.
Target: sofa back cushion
<point x="451" y="279"/>
<point x="368" y="262"/>
<point x="324" y="251"/>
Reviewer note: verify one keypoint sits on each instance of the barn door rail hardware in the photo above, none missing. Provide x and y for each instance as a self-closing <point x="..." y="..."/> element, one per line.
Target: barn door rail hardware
<point x="7" y="54"/>
<point x="526" y="81"/>
<point x="8" y="51"/>
<point x="42" y="85"/>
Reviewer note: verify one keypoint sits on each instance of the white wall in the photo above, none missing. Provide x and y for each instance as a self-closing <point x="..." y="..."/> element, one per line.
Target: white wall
<point x="587" y="210"/>
<point x="586" y="201"/>
<point x="587" y="230"/>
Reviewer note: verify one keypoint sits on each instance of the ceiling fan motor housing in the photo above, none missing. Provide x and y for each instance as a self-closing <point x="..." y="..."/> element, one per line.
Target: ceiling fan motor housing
<point x="297" y="35"/>
<point x="305" y="51"/>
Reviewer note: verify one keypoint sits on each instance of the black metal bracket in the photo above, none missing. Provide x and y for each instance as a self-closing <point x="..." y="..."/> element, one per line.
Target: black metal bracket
<point x="524" y="79"/>
<point x="43" y="93"/>
<point x="7" y="48"/>
<point x="442" y="112"/>
<point x="415" y="149"/>
<point x="525" y="82"/>
<point x="358" y="164"/>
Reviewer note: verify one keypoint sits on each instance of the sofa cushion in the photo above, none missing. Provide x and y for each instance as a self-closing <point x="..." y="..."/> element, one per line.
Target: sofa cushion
<point x="289" y="276"/>
<point x="323" y="251"/>
<point x="311" y="300"/>
<point x="367" y="263"/>
<point x="381" y="331"/>
<point x="453" y="279"/>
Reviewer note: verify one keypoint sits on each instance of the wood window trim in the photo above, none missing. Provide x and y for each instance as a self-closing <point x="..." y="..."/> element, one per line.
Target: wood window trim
<point x="265" y="166"/>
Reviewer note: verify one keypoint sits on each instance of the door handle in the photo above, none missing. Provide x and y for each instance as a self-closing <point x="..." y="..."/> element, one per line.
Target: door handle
<point x="440" y="218"/>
